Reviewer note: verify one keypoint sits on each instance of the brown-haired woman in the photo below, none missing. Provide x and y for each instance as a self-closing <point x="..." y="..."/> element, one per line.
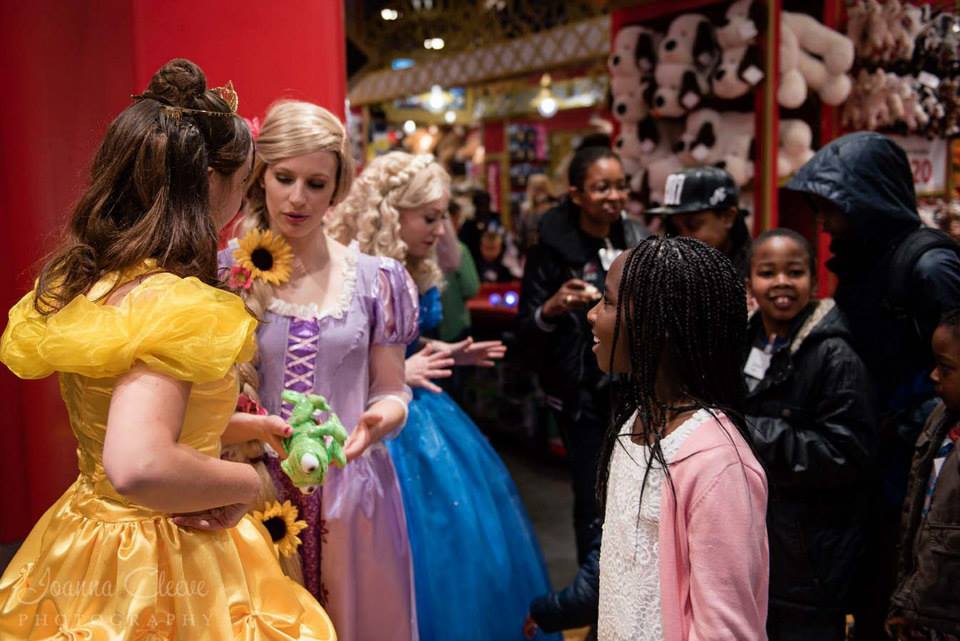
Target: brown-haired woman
<point x="150" y="539"/>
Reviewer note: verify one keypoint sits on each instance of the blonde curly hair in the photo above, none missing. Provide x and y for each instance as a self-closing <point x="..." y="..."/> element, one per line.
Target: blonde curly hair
<point x="370" y="214"/>
<point x="291" y="128"/>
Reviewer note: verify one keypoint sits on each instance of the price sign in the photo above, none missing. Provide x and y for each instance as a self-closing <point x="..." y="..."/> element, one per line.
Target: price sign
<point x="928" y="161"/>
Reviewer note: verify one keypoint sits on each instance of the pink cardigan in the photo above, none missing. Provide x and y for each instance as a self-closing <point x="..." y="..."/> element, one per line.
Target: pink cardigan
<point x="714" y="566"/>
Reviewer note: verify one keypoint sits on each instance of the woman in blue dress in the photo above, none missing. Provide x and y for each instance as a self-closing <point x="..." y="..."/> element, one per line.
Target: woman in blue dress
<point x="477" y="563"/>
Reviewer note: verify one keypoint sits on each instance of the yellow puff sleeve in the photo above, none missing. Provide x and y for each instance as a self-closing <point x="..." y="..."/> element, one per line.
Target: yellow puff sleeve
<point x="180" y="327"/>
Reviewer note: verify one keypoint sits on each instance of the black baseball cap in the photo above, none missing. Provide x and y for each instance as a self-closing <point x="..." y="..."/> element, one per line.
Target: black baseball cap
<point x="698" y="189"/>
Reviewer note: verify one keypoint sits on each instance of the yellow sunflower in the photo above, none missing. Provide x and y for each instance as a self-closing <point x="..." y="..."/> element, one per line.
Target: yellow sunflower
<point x="282" y="524"/>
<point x="265" y="255"/>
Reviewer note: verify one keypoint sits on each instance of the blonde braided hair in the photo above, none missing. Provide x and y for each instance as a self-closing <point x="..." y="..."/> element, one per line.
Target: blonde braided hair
<point x="370" y="214"/>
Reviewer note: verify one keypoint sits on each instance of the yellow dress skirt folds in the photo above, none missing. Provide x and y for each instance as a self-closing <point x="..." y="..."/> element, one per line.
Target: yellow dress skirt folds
<point x="97" y="567"/>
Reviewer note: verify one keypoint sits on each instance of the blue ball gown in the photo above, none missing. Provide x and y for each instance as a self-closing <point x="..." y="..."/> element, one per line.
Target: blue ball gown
<point x="477" y="563"/>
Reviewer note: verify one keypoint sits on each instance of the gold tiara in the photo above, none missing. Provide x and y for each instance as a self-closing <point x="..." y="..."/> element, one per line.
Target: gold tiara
<point x="226" y="93"/>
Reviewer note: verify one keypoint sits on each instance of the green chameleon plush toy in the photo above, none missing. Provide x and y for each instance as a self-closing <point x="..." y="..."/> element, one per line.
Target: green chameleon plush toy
<point x="312" y="447"/>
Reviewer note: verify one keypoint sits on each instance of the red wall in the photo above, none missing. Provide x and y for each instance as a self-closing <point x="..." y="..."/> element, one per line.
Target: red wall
<point x="69" y="68"/>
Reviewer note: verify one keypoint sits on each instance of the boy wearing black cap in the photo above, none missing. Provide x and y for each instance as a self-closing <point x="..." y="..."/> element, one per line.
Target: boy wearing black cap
<point x="703" y="203"/>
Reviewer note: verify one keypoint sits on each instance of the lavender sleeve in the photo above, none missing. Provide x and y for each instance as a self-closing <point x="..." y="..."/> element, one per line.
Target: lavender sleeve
<point x="396" y="306"/>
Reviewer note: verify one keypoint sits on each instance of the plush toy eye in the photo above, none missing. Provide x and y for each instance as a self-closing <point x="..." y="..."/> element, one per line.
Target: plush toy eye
<point x="309" y="463"/>
<point x="309" y="489"/>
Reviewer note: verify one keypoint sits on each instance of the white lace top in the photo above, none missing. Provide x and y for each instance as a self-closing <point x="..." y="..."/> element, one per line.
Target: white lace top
<point x="629" y="556"/>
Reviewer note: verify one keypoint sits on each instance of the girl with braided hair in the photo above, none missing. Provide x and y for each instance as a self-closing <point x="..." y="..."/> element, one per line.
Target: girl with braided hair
<point x="684" y="552"/>
<point x="336" y="323"/>
<point x="151" y="541"/>
<point x="476" y="559"/>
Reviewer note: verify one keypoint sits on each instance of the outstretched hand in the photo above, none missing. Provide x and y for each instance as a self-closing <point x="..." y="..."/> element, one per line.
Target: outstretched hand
<point x="428" y="364"/>
<point x="363" y="435"/>
<point x="469" y="352"/>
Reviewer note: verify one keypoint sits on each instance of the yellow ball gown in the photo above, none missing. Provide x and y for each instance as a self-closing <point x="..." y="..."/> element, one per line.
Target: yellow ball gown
<point x="98" y="567"/>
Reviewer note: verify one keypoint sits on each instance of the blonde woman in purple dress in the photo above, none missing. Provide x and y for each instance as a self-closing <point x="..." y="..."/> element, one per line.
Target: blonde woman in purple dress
<point x="334" y="322"/>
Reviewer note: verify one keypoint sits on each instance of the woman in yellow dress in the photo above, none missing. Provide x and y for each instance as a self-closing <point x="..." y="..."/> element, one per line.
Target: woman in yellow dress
<point x="151" y="541"/>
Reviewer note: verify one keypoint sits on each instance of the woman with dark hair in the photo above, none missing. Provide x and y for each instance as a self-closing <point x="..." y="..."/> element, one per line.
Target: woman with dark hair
<point x="564" y="274"/>
<point x="684" y="552"/>
<point x="151" y="540"/>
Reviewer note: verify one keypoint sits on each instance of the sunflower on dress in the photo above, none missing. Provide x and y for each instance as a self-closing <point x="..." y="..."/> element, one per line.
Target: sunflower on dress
<point x="261" y="255"/>
<point x="281" y="522"/>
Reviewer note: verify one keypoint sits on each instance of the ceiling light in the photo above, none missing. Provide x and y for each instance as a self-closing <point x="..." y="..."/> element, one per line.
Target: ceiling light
<point x="436" y="101"/>
<point x="389" y="14"/>
<point x="450" y="117"/>
<point x="409" y="127"/>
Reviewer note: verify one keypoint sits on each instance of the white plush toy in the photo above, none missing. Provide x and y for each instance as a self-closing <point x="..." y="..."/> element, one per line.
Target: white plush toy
<point x="739" y="70"/>
<point x="796" y="139"/>
<point x="631" y="98"/>
<point x="690" y="40"/>
<point x="825" y="56"/>
<point x="792" y="91"/>
<point x="677" y="89"/>
<point x="634" y="52"/>
<point x="743" y="21"/>
<point x="721" y="139"/>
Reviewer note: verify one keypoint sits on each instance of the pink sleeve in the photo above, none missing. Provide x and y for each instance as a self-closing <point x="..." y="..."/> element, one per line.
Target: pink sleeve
<point x="729" y="566"/>
<point x="396" y="306"/>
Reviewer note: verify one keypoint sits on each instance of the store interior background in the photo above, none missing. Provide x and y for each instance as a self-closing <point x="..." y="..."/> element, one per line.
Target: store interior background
<point x="502" y="89"/>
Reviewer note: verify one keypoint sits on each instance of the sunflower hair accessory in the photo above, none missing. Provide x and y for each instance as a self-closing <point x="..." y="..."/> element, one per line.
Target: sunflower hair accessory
<point x="261" y="255"/>
<point x="280" y="520"/>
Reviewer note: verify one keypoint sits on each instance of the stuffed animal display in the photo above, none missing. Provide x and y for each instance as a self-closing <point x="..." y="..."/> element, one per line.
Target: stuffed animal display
<point x="669" y="89"/>
<point x="909" y="69"/>
<point x="312" y="447"/>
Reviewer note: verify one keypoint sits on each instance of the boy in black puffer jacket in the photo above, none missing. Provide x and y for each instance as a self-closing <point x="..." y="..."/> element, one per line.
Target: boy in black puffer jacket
<point x="812" y="420"/>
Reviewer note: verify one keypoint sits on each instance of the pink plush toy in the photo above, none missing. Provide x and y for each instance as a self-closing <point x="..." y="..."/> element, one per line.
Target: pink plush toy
<point x="634" y="52"/>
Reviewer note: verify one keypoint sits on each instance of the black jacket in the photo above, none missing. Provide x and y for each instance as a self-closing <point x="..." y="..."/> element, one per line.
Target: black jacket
<point x="576" y="605"/>
<point x="868" y="177"/>
<point x="812" y="422"/>
<point x="563" y="355"/>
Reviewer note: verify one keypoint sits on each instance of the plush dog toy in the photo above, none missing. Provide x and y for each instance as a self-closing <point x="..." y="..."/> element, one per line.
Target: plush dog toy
<point x="634" y="52"/>
<point x="739" y="70"/>
<point x="690" y="40"/>
<point x="685" y="59"/>
<point x="312" y="447"/>
<point x="677" y="89"/>
<point x="631" y="96"/>
<point x="743" y="21"/>
<point x="723" y="140"/>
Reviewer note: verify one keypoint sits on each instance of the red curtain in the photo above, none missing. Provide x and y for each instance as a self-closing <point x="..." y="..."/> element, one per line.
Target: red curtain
<point x="70" y="67"/>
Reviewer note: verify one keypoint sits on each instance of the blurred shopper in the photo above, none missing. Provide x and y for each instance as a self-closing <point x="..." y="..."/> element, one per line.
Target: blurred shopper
<point x="564" y="276"/>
